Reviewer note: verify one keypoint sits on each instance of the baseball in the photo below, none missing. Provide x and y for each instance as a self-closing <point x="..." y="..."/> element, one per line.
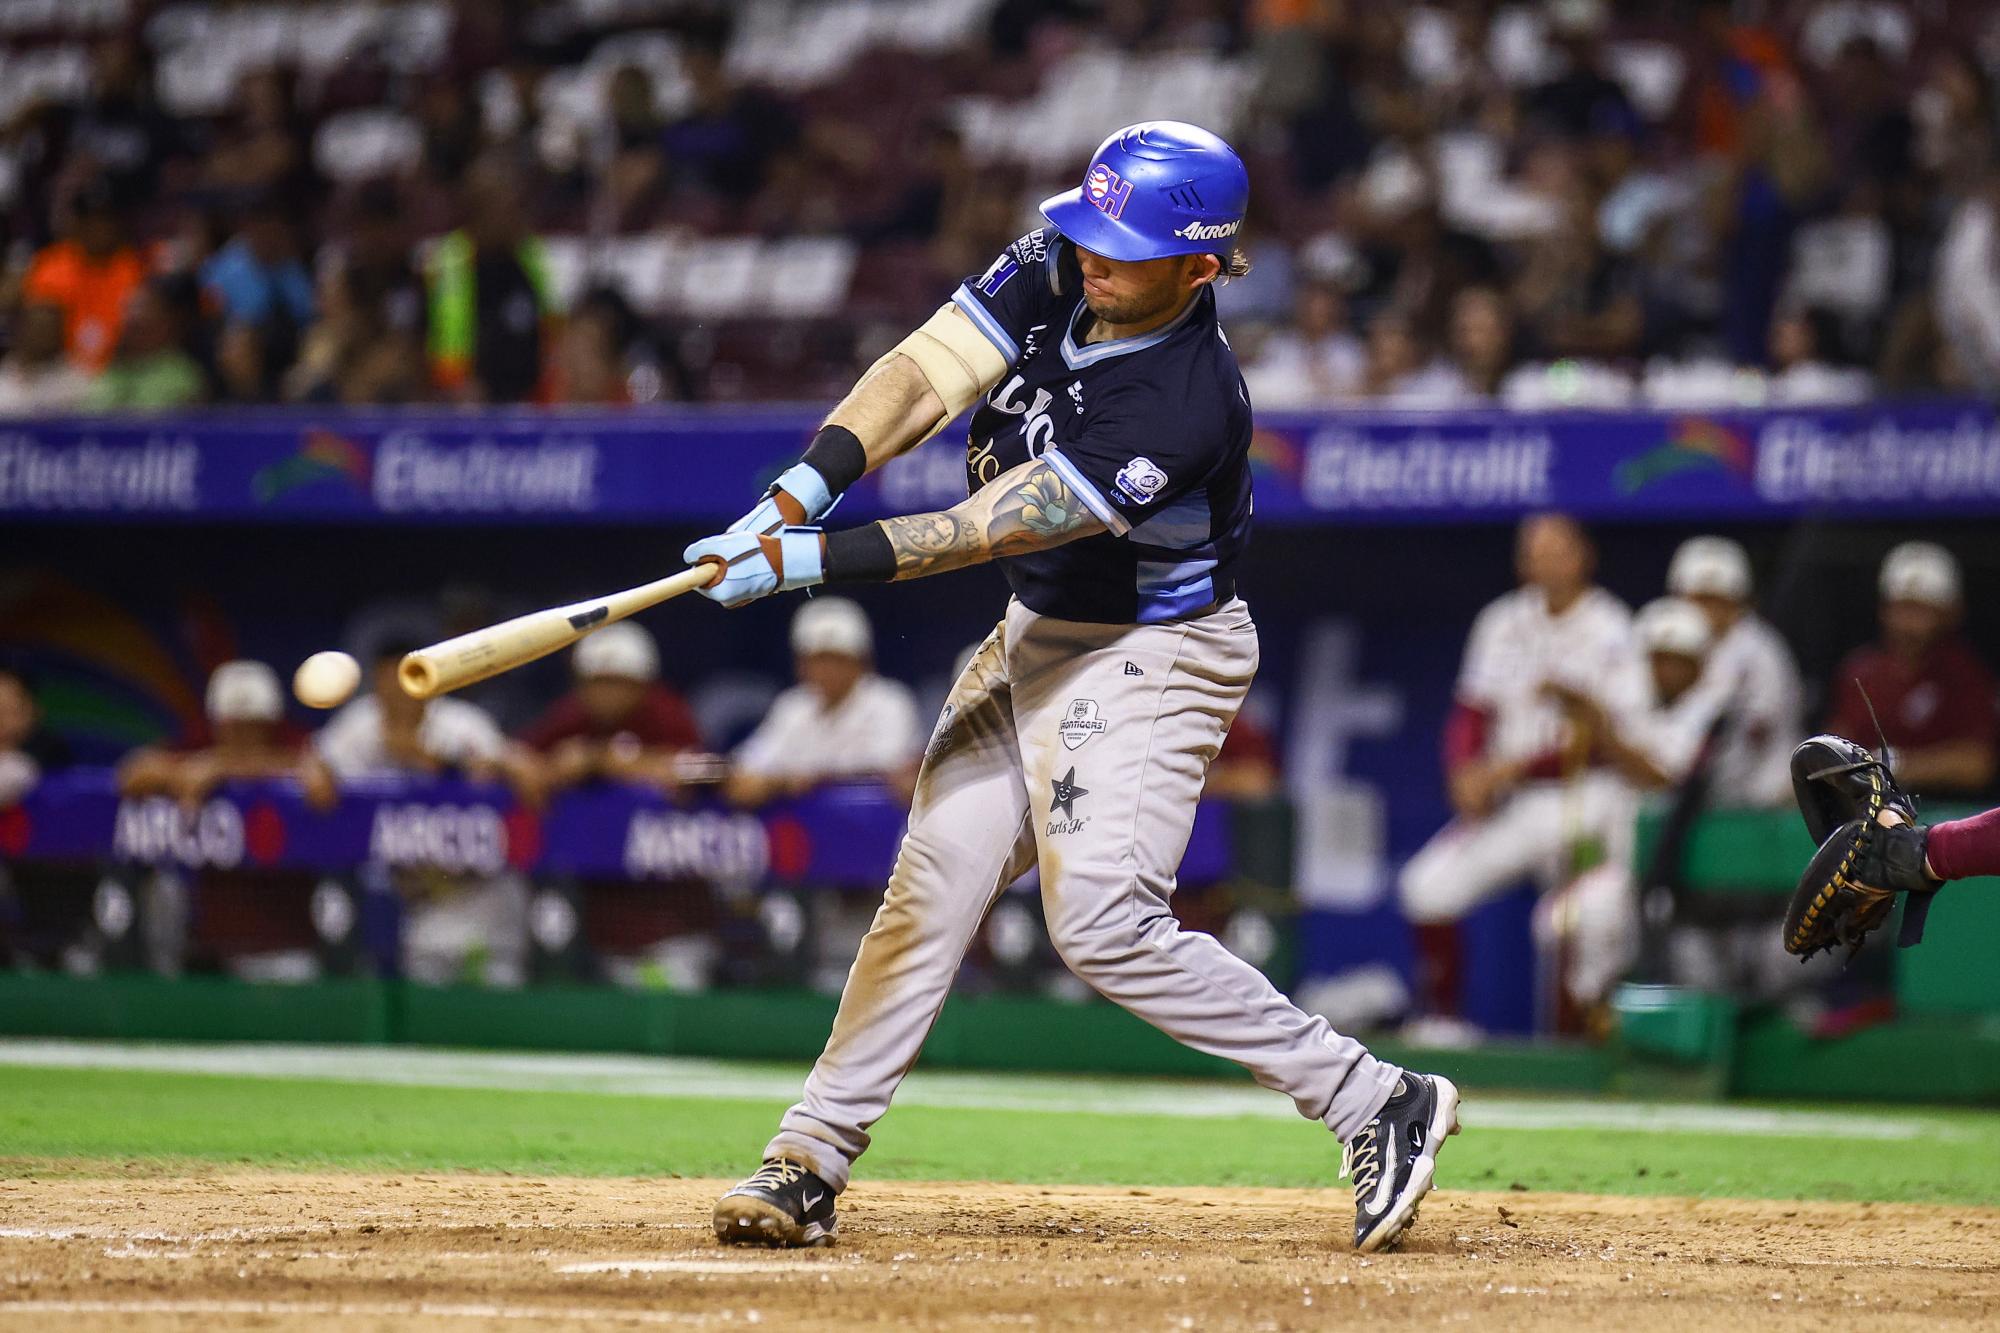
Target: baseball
<point x="325" y="680"/>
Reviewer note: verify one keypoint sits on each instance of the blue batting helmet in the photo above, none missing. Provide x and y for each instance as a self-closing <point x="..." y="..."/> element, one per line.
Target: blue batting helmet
<point x="1158" y="188"/>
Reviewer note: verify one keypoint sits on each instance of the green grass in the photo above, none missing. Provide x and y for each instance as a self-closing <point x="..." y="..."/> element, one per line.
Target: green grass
<point x="89" y="1120"/>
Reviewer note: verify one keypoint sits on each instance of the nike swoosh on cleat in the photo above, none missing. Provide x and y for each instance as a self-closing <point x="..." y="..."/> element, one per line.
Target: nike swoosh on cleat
<point x="812" y="1200"/>
<point x="1385" y="1193"/>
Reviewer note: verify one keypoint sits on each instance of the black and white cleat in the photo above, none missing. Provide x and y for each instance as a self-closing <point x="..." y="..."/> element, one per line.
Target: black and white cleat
<point x="782" y="1204"/>
<point x="1394" y="1158"/>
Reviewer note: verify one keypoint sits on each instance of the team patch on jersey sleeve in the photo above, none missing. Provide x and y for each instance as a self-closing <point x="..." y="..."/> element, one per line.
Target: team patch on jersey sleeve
<point x="1003" y="268"/>
<point x="1141" y="480"/>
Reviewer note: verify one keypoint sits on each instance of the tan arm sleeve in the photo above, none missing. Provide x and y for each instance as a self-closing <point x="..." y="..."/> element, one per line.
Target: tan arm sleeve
<point x="919" y="386"/>
<point x="959" y="361"/>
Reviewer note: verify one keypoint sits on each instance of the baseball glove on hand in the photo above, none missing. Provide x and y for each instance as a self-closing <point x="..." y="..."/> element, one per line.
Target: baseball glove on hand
<point x="1852" y="881"/>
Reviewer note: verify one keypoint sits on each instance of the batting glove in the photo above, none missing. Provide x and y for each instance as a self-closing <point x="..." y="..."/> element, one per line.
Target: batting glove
<point x="750" y="572"/>
<point x="804" y="484"/>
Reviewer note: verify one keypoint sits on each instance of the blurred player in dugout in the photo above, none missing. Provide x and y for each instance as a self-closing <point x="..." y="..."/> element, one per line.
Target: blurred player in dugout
<point x="240" y="920"/>
<point x="1751" y="667"/>
<point x="29" y="751"/>
<point x="1566" y="712"/>
<point x="1587" y="927"/>
<point x="1933" y="694"/>
<point x="1529" y="790"/>
<point x="38" y="905"/>
<point x="842" y="721"/>
<point x="453" y="925"/>
<point x="1751" y="707"/>
<point x="621" y="723"/>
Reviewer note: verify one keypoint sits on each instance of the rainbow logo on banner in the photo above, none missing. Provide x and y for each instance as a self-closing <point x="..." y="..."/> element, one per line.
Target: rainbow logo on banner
<point x="1274" y="454"/>
<point x="322" y="456"/>
<point x="1693" y="443"/>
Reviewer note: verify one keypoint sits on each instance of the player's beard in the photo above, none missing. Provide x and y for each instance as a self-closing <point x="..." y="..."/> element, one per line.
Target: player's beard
<point x="1137" y="307"/>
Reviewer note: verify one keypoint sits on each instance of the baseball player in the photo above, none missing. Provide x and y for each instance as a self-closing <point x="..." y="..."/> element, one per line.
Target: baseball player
<point x="1922" y="682"/>
<point x="1750" y="664"/>
<point x="1107" y="474"/>
<point x="1529" y="785"/>
<point x="1591" y="922"/>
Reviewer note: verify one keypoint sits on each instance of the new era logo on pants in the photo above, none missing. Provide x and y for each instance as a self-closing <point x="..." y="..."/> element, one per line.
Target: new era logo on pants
<point x="1132" y="669"/>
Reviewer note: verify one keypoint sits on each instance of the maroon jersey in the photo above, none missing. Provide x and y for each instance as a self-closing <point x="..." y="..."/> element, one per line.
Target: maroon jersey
<point x="1946" y="697"/>
<point x="661" y="721"/>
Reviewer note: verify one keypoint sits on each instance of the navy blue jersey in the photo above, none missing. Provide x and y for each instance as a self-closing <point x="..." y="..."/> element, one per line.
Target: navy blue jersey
<point x="1152" y="433"/>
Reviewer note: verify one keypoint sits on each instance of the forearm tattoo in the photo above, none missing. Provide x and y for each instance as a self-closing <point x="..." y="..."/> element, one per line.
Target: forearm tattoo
<point x="1029" y="508"/>
<point x="930" y="543"/>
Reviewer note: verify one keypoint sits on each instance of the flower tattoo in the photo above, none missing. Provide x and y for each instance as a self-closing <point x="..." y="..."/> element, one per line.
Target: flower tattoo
<point x="1025" y="509"/>
<point x="1046" y="507"/>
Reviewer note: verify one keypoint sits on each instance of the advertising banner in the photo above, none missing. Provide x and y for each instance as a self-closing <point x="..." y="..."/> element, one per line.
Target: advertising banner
<point x="700" y="465"/>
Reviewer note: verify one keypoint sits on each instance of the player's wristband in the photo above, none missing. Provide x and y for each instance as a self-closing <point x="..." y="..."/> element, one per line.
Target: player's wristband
<point x="836" y="454"/>
<point x="860" y="555"/>
<point x="803" y="482"/>
<point x="798" y="552"/>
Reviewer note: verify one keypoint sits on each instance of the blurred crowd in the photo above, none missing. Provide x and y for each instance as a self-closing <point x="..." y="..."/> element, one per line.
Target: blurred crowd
<point x="1559" y="202"/>
<point x="1678" y="205"/>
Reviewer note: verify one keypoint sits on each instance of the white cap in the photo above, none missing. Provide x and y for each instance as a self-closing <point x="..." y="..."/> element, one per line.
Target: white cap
<point x="1920" y="572"/>
<point x="1713" y="566"/>
<point x="245" y="691"/>
<point x="622" y="650"/>
<point x="1670" y="625"/>
<point x="832" y="625"/>
<point x="1579" y="16"/>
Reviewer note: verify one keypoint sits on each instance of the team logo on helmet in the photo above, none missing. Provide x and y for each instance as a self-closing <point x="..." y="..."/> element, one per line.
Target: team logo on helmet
<point x="1107" y="190"/>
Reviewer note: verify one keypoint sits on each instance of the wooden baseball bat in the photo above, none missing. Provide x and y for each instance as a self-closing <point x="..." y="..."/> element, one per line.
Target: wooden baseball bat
<point x="473" y="657"/>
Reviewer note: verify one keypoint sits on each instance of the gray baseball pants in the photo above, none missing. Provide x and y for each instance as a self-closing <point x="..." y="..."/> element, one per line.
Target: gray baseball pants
<point x="1082" y="747"/>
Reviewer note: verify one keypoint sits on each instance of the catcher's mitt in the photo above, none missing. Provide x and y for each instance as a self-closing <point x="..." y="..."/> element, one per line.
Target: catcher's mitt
<point x="1853" y="879"/>
<point x="1836" y="780"/>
